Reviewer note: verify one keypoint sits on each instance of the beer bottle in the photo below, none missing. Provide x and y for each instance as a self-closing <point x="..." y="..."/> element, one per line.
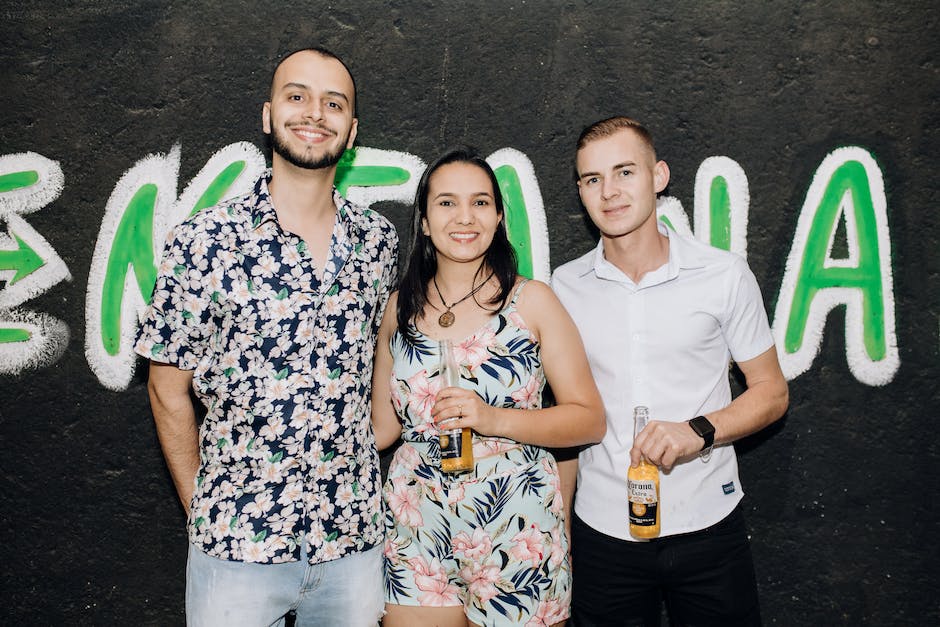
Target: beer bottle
<point x="456" y="444"/>
<point x="643" y="488"/>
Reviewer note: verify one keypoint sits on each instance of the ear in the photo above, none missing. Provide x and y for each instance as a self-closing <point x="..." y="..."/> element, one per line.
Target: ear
<point x="353" y="130"/>
<point x="266" y="118"/>
<point x="424" y="227"/>
<point x="660" y="175"/>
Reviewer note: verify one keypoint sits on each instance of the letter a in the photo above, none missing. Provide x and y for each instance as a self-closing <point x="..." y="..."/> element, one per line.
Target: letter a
<point x="848" y="189"/>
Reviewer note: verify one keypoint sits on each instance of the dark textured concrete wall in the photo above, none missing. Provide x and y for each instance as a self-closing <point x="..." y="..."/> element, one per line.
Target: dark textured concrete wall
<point x="841" y="496"/>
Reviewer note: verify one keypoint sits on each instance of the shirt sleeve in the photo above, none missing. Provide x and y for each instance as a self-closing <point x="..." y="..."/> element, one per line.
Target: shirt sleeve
<point x="389" y="279"/>
<point x="175" y="328"/>
<point x="745" y="328"/>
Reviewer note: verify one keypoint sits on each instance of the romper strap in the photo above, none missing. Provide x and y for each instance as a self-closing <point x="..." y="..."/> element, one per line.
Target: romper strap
<point x="516" y="292"/>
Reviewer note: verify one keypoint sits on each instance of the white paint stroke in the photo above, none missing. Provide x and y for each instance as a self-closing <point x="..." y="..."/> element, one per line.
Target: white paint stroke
<point x="49" y="337"/>
<point x="32" y="197"/>
<point x="739" y="198"/>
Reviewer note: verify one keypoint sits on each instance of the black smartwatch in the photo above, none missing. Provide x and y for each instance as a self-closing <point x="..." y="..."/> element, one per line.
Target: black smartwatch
<point x="705" y="430"/>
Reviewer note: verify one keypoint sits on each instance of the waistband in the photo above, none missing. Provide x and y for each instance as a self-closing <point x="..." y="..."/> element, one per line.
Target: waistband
<point x="505" y="461"/>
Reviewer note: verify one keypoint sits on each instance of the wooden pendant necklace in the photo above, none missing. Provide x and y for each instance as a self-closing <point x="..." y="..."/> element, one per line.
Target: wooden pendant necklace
<point x="447" y="318"/>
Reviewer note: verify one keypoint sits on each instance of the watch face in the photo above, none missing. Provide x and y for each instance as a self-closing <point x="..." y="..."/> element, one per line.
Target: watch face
<point x="702" y="426"/>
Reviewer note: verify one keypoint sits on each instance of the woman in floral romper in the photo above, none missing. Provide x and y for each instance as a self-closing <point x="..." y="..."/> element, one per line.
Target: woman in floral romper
<point x="486" y="547"/>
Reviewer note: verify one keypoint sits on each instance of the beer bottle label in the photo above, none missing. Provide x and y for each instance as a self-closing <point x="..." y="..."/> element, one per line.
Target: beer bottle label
<point x="451" y="444"/>
<point x="643" y="504"/>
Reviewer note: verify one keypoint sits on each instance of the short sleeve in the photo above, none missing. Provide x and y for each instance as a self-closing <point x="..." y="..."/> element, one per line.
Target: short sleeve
<point x="175" y="328"/>
<point x="745" y="328"/>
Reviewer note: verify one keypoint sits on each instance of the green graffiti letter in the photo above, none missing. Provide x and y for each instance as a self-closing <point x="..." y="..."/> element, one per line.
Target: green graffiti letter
<point x="848" y="186"/>
<point x="517" y="217"/>
<point x="18" y="180"/>
<point x="350" y="175"/>
<point x="133" y="245"/>
<point x="719" y="207"/>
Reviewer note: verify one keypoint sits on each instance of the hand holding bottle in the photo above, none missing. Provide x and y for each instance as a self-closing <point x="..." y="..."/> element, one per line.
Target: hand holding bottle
<point x="665" y="443"/>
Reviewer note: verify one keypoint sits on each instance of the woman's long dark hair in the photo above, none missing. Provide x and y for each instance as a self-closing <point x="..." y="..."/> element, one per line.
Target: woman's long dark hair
<point x="500" y="258"/>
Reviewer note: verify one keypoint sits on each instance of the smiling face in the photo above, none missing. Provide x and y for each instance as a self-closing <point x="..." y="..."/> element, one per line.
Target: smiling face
<point x="461" y="216"/>
<point x="310" y="114"/>
<point x="618" y="179"/>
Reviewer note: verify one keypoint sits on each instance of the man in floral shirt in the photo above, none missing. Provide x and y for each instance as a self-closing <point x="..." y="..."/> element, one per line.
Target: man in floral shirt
<point x="268" y="306"/>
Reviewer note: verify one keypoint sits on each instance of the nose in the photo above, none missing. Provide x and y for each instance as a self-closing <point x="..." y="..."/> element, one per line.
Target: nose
<point x="609" y="188"/>
<point x="315" y="110"/>
<point x="464" y="214"/>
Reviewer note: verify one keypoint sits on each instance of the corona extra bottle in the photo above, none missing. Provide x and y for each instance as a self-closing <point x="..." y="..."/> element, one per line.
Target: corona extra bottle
<point x="456" y="444"/>
<point x="643" y="488"/>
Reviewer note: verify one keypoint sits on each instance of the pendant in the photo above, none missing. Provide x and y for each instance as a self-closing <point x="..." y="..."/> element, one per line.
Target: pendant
<point x="446" y="319"/>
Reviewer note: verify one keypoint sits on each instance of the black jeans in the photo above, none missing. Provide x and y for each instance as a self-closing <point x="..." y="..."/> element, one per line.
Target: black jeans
<point x="705" y="578"/>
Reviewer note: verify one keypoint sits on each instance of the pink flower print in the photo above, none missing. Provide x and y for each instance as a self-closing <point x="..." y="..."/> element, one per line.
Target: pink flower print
<point x="455" y="495"/>
<point x="476" y="547"/>
<point x="408" y="456"/>
<point x="481" y="580"/>
<point x="423" y="392"/>
<point x="550" y="612"/>
<point x="558" y="553"/>
<point x="528" y="545"/>
<point x="527" y="396"/>
<point x="431" y="580"/>
<point x="558" y="502"/>
<point x="516" y="319"/>
<point x="475" y="350"/>
<point x="403" y="501"/>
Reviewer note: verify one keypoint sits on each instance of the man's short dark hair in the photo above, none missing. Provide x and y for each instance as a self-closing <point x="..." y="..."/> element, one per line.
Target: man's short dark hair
<point x="323" y="52"/>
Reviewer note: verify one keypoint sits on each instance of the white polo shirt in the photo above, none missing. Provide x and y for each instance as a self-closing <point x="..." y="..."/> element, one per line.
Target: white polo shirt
<point x="664" y="343"/>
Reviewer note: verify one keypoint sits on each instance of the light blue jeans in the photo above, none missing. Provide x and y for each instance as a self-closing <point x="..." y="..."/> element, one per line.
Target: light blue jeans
<point x="348" y="591"/>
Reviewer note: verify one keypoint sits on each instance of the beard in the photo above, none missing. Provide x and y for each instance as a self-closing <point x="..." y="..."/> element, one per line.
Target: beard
<point x="301" y="160"/>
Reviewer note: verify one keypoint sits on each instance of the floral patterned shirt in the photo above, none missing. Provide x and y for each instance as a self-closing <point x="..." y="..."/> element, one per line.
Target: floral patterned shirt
<point x="283" y="363"/>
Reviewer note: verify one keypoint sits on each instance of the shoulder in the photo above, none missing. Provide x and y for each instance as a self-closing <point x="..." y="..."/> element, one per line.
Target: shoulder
<point x="534" y="298"/>
<point x="574" y="269"/>
<point x="370" y="220"/>
<point x="696" y="252"/>
<point x="230" y="215"/>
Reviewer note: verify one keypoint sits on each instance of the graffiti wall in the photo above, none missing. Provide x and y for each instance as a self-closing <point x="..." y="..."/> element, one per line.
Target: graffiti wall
<point x="803" y="136"/>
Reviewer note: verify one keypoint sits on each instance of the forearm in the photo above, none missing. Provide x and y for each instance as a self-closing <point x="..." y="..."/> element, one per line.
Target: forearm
<point x="175" y="419"/>
<point x="759" y="406"/>
<point x="386" y="431"/>
<point x="569" y="424"/>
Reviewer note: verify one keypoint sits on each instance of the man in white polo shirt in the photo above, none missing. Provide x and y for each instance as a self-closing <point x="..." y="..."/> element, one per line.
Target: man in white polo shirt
<point x="661" y="315"/>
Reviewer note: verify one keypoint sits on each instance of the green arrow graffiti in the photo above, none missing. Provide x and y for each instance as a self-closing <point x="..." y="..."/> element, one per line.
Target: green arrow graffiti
<point x="23" y="259"/>
<point x="18" y="180"/>
<point x="348" y="175"/>
<point x="517" y="218"/>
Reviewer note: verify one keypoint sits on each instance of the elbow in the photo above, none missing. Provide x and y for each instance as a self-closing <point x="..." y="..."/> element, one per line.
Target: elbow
<point x="598" y="424"/>
<point x="781" y="401"/>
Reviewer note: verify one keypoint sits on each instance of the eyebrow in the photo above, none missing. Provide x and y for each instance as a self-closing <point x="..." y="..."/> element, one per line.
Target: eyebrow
<point x="330" y="92"/>
<point x="625" y="164"/>
<point x="472" y="195"/>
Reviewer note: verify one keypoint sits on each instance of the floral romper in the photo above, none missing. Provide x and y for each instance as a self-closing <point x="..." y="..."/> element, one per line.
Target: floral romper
<point x="493" y="539"/>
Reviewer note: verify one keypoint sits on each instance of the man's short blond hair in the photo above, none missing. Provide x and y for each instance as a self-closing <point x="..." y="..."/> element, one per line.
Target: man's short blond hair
<point x="606" y="128"/>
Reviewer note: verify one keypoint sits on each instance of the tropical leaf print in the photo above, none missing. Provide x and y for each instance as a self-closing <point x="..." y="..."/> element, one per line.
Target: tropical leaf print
<point x="489" y="508"/>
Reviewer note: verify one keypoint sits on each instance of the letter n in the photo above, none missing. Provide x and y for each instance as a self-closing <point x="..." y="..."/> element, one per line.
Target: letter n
<point x="847" y="191"/>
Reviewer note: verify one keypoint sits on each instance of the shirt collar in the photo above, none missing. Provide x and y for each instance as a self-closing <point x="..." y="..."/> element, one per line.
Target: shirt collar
<point x="683" y="255"/>
<point x="262" y="210"/>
